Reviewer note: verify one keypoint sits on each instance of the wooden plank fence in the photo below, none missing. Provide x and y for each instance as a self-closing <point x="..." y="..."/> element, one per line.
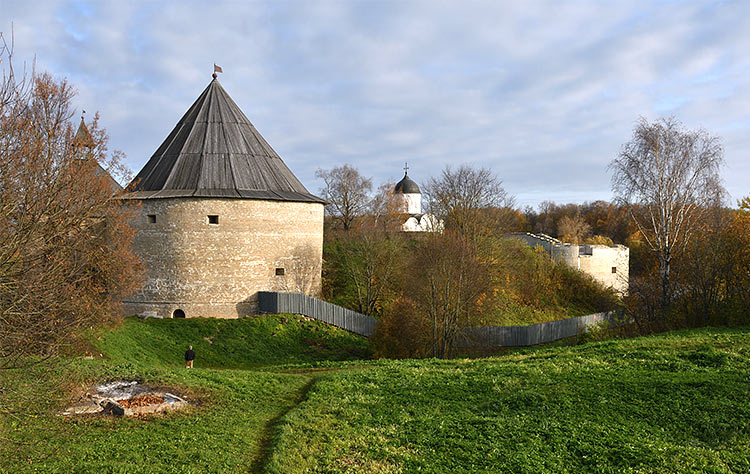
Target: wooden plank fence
<point x="515" y="336"/>
<point x="297" y="303"/>
<point x="476" y="337"/>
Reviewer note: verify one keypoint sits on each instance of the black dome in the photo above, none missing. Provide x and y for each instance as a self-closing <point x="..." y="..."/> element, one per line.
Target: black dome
<point x="407" y="186"/>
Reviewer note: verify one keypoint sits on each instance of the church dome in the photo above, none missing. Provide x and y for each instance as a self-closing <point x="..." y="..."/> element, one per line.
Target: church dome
<point x="407" y="186"/>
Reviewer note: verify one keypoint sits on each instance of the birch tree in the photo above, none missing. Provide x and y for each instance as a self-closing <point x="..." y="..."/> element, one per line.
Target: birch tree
<point x="668" y="177"/>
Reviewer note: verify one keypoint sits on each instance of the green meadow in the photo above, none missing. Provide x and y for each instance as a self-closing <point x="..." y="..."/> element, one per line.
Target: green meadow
<point x="299" y="396"/>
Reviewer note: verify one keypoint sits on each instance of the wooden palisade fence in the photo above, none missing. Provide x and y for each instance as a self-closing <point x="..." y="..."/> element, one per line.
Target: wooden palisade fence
<point x="297" y="303"/>
<point x="514" y="336"/>
<point x="476" y="337"/>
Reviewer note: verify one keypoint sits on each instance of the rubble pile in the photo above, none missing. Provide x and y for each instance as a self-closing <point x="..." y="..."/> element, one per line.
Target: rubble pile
<point x="125" y="398"/>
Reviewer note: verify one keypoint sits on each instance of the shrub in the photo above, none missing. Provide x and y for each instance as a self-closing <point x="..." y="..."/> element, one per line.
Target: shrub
<point x="402" y="332"/>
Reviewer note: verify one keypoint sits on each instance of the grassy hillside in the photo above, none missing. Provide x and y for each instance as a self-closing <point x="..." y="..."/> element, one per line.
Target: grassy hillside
<point x="677" y="402"/>
<point x="672" y="403"/>
<point x="227" y="343"/>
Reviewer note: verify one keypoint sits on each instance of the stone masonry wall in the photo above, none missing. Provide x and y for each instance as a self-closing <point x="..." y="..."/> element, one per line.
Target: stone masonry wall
<point x="608" y="265"/>
<point x="216" y="270"/>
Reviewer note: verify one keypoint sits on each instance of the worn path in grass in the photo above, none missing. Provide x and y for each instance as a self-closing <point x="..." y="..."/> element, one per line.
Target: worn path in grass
<point x="271" y="429"/>
<point x="678" y="402"/>
<point x="266" y="434"/>
<point x="671" y="403"/>
<point x="249" y="375"/>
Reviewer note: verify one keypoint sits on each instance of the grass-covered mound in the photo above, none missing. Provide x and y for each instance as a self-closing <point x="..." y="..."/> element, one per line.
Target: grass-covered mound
<point x="677" y="402"/>
<point x="229" y="343"/>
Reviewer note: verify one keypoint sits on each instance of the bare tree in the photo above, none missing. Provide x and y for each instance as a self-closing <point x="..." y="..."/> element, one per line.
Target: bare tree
<point x="669" y="178"/>
<point x="347" y="193"/>
<point x="385" y="208"/>
<point x="465" y="198"/>
<point x="573" y="229"/>
<point x="371" y="260"/>
<point x="545" y="218"/>
<point x="65" y="256"/>
<point x="452" y="280"/>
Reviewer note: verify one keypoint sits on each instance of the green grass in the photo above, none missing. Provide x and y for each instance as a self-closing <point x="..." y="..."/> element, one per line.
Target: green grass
<point x="225" y="343"/>
<point x="676" y="402"/>
<point x="223" y="434"/>
<point x="227" y="430"/>
<point x="517" y="314"/>
<point x="673" y="403"/>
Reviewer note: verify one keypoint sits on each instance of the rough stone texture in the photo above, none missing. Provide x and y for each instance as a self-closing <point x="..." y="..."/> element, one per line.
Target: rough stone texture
<point x="595" y="260"/>
<point x="160" y="408"/>
<point x="216" y="270"/>
<point x="599" y="260"/>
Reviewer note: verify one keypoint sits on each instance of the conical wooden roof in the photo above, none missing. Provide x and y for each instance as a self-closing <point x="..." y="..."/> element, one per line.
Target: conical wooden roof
<point x="83" y="139"/>
<point x="214" y="151"/>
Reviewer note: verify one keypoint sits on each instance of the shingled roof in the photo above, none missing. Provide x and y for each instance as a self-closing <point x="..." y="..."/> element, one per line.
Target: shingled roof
<point x="214" y="151"/>
<point x="83" y="139"/>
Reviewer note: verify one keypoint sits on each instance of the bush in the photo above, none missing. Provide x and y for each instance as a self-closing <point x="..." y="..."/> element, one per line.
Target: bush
<point x="402" y="332"/>
<point x="599" y="240"/>
<point x="580" y="290"/>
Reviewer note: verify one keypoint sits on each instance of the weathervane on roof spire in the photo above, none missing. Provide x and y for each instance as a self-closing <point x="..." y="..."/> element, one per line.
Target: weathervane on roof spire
<point x="83" y="112"/>
<point x="216" y="69"/>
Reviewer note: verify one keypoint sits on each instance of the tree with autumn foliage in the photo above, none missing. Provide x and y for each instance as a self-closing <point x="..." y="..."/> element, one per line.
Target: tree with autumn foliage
<point x="668" y="178"/>
<point x="715" y="270"/>
<point x="739" y="283"/>
<point x="65" y="239"/>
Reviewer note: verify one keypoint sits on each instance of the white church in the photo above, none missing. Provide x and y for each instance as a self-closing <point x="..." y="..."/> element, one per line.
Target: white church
<point x="410" y="202"/>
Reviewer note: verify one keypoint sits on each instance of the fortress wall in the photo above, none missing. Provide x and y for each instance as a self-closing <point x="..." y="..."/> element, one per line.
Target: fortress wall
<point x="532" y="241"/>
<point x="596" y="260"/>
<point x="566" y="253"/>
<point x="216" y="270"/>
<point x="600" y="262"/>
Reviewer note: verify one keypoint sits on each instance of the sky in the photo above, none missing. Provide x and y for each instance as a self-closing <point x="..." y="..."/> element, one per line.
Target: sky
<point x="542" y="93"/>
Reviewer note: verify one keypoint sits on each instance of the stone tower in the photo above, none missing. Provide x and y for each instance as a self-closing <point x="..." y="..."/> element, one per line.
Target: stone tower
<point x="221" y="218"/>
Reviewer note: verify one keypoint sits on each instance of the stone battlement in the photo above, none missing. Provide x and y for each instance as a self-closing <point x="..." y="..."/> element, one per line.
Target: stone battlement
<point x="608" y="265"/>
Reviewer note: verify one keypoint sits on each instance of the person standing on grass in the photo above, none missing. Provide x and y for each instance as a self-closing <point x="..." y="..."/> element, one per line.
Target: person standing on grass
<point x="189" y="357"/>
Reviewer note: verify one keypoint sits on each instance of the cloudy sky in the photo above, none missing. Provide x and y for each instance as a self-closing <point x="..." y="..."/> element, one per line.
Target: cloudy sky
<point x="543" y="93"/>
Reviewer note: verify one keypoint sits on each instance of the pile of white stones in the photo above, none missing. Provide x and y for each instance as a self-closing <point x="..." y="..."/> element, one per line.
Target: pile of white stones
<point x="111" y="399"/>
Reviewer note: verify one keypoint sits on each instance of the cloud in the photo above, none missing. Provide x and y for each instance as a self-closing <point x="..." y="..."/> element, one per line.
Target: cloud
<point x="541" y="92"/>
